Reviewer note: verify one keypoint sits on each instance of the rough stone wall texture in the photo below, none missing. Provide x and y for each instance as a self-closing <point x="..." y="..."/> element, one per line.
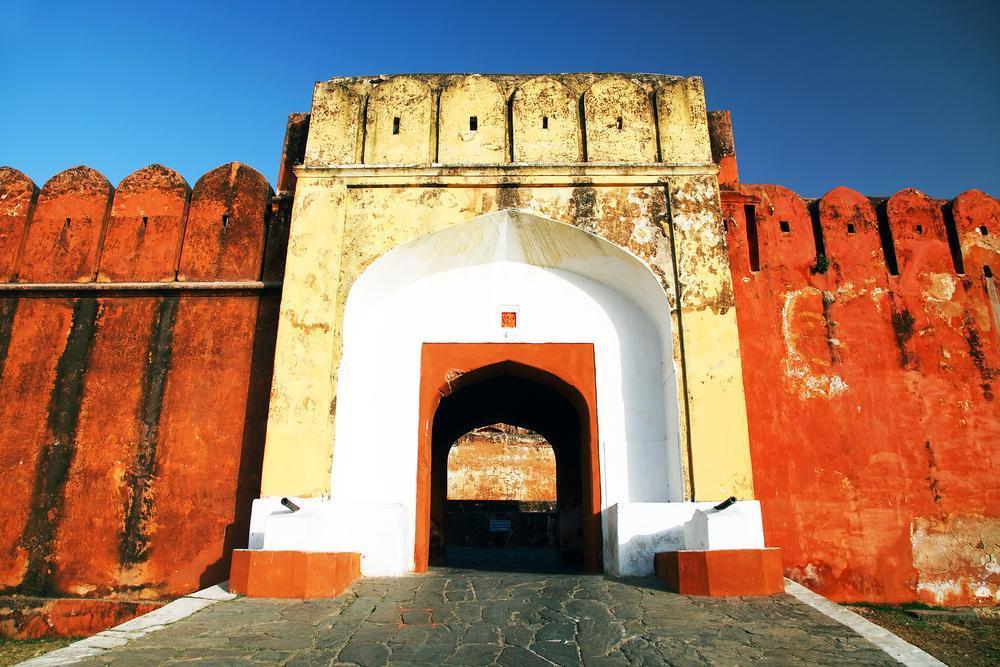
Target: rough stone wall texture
<point x="871" y="376"/>
<point x="502" y="462"/>
<point x="389" y="159"/>
<point x="132" y="406"/>
<point x="504" y="118"/>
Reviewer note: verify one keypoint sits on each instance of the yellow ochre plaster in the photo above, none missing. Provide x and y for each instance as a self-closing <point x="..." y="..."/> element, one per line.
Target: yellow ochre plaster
<point x="390" y="159"/>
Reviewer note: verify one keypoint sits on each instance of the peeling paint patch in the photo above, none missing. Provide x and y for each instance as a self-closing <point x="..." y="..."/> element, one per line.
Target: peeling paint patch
<point x="956" y="558"/>
<point x="800" y="373"/>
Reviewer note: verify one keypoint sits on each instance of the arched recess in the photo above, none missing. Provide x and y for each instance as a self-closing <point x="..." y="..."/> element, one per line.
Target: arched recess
<point x="452" y="286"/>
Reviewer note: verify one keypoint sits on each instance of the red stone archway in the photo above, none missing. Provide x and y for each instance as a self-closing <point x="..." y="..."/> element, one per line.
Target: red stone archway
<point x="567" y="368"/>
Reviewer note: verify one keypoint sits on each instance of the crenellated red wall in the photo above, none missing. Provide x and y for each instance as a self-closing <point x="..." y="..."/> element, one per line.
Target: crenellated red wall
<point x="133" y="404"/>
<point x="874" y="425"/>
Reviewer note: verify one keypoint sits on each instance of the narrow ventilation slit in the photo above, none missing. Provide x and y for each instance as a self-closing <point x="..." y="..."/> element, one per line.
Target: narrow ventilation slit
<point x="784" y="226"/>
<point x="473" y="123"/>
<point x="619" y="124"/>
<point x="920" y="229"/>
<point x="885" y="236"/>
<point x="145" y="221"/>
<point x="225" y="221"/>
<point x="725" y="225"/>
<point x="67" y="222"/>
<point x="951" y="231"/>
<point x="752" y="244"/>
<point x="395" y="125"/>
<point x="822" y="261"/>
<point x="545" y="122"/>
<point x="851" y="228"/>
<point x="987" y="271"/>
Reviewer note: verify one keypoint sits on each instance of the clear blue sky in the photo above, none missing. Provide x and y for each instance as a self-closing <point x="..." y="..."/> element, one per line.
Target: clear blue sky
<point x="873" y="95"/>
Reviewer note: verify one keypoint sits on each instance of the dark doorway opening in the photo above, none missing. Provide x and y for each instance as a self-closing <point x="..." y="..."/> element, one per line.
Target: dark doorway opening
<point x="537" y="537"/>
<point x="501" y="506"/>
<point x="548" y="388"/>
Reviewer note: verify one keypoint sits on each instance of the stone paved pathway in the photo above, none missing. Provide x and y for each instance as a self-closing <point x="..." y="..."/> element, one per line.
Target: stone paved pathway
<point x="464" y="617"/>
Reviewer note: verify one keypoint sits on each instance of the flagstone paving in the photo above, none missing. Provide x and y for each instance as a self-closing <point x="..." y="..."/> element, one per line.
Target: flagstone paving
<point x="465" y="617"/>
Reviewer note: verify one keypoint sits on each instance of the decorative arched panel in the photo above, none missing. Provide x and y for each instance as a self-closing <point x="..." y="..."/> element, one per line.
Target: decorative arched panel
<point x="399" y="128"/>
<point x="683" y="121"/>
<point x="472" y="126"/>
<point x="619" y="121"/>
<point x="334" y="126"/>
<point x="546" y="120"/>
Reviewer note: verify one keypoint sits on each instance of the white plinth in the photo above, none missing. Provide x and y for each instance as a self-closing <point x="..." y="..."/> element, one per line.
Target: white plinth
<point x="637" y="531"/>
<point x="732" y="528"/>
<point x="375" y="530"/>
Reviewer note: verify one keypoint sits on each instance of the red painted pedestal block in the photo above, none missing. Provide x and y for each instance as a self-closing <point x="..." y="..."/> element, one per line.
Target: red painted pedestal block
<point x="722" y="573"/>
<point x="292" y="574"/>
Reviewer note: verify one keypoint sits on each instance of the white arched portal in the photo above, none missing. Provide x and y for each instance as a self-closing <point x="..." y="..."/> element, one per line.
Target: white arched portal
<point x="567" y="286"/>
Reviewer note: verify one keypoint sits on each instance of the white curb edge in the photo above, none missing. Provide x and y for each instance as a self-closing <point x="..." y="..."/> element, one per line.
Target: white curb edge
<point x="137" y="627"/>
<point x="895" y="646"/>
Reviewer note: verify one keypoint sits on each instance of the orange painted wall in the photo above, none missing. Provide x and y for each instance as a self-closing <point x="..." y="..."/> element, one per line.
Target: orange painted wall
<point x="871" y="396"/>
<point x="132" y="418"/>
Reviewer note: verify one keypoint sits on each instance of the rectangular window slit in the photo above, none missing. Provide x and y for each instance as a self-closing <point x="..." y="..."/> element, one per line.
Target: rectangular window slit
<point x="545" y="122"/>
<point x="920" y="229"/>
<point x="785" y="227"/>
<point x="473" y="123"/>
<point x="67" y="222"/>
<point x="983" y="230"/>
<point x="225" y="221"/>
<point x="619" y="122"/>
<point x="145" y="221"/>
<point x="850" y="228"/>
<point x="395" y="125"/>
<point x="751" y="215"/>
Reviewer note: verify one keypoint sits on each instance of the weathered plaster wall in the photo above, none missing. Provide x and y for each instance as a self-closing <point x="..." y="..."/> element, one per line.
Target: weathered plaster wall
<point x="625" y="157"/>
<point x="132" y="404"/>
<point x="502" y="462"/>
<point x="872" y="396"/>
<point x="497" y="118"/>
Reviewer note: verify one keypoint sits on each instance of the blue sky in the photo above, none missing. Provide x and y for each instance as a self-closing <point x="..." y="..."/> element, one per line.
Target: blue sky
<point x="875" y="95"/>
